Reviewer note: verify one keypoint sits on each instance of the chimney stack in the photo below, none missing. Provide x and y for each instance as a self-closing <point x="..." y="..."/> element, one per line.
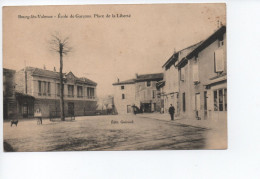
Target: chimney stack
<point x="54" y="69"/>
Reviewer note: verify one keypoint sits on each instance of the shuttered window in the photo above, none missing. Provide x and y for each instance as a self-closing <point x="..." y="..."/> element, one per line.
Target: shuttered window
<point x="219" y="60"/>
<point x="195" y="70"/>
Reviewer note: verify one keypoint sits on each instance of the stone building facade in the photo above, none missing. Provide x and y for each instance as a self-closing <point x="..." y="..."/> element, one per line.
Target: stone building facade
<point x="202" y="78"/>
<point x="140" y="92"/>
<point x="44" y="86"/>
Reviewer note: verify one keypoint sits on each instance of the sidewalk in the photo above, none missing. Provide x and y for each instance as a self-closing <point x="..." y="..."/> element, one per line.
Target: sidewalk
<point x="209" y="124"/>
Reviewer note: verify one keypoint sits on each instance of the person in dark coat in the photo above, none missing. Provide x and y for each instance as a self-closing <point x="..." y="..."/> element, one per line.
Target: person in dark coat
<point x="171" y="111"/>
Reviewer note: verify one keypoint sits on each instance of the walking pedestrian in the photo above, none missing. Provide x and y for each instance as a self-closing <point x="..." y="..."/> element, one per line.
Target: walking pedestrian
<point x="171" y="111"/>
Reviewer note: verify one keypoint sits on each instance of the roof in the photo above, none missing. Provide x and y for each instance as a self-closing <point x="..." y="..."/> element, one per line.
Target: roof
<point x="56" y="75"/>
<point x="6" y="70"/>
<point x="86" y="80"/>
<point x="140" y="78"/>
<point x="23" y="95"/>
<point x="150" y="77"/>
<point x="131" y="81"/>
<point x="174" y="57"/>
<point x="204" y="44"/>
<point x="207" y="42"/>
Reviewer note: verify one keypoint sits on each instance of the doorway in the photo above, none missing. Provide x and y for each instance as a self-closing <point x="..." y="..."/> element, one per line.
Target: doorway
<point x="71" y="109"/>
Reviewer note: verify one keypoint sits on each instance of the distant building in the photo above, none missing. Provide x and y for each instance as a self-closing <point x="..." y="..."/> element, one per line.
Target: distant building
<point x="140" y="92"/>
<point x="42" y="87"/>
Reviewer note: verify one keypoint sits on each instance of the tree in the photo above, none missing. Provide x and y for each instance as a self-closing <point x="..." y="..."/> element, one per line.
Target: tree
<point x="61" y="46"/>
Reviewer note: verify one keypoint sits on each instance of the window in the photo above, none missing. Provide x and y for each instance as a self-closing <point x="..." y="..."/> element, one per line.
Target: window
<point x="79" y="92"/>
<point x="182" y="74"/>
<point x="220" y="41"/>
<point x="122" y="87"/>
<point x="197" y="101"/>
<point x="219" y="61"/>
<point x="70" y="91"/>
<point x="148" y="83"/>
<point x="183" y="102"/>
<point x="39" y="88"/>
<point x="123" y="96"/>
<point x="44" y="88"/>
<point x="220" y="100"/>
<point x="195" y="70"/>
<point x="154" y="94"/>
<point x="58" y="89"/>
<point x="225" y="98"/>
<point x="49" y="89"/>
<point x="90" y="93"/>
<point x="220" y="92"/>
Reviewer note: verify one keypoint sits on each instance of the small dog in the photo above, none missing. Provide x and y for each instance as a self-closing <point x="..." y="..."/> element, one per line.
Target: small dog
<point x="15" y="121"/>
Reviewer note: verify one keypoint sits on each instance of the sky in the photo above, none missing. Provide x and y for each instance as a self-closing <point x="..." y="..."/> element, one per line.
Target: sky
<point x="104" y="49"/>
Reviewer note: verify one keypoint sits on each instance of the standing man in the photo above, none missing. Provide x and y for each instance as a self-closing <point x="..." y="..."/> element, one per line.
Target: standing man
<point x="171" y="111"/>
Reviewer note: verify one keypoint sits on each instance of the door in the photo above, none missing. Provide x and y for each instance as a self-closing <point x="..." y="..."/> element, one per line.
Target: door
<point x="205" y="105"/>
<point x="25" y="110"/>
<point x="71" y="109"/>
<point x="129" y="109"/>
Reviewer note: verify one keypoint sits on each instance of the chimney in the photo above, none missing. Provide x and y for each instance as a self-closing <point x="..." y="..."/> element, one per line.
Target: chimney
<point x="136" y="75"/>
<point x="118" y="80"/>
<point x="44" y="67"/>
<point x="54" y="69"/>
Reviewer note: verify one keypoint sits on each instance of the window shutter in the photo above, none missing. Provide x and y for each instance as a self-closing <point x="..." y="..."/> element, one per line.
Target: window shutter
<point x="195" y="70"/>
<point x="193" y="103"/>
<point x="219" y="60"/>
<point x="209" y="100"/>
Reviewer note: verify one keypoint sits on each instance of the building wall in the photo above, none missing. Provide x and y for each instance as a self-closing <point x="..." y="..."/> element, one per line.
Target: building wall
<point x="148" y="94"/>
<point x="9" y="93"/>
<point x="130" y="99"/>
<point x="50" y="103"/>
<point x="51" y="107"/>
<point x="171" y="89"/>
<point x="203" y="106"/>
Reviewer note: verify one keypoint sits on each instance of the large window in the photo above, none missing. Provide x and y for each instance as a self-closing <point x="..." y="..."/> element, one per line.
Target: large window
<point x="148" y="83"/>
<point x="220" y="100"/>
<point x="79" y="92"/>
<point x="49" y="89"/>
<point x="123" y="96"/>
<point x="70" y="91"/>
<point x="39" y="88"/>
<point x="122" y="87"/>
<point x="219" y="60"/>
<point x="44" y="88"/>
<point x="90" y="93"/>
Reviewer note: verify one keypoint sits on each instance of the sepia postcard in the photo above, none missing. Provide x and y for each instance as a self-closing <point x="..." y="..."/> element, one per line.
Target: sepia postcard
<point x="114" y="77"/>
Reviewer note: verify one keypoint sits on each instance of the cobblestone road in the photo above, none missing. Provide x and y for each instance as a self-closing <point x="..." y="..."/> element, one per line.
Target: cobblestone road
<point x="104" y="133"/>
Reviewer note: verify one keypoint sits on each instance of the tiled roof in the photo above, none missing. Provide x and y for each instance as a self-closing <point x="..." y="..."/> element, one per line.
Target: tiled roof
<point x="144" y="77"/>
<point x="86" y="80"/>
<point x="45" y="73"/>
<point x="131" y="81"/>
<point x="56" y="75"/>
<point x="154" y="76"/>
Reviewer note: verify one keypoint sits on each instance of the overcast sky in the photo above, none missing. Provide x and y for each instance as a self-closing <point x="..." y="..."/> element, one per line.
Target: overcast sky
<point x="106" y="48"/>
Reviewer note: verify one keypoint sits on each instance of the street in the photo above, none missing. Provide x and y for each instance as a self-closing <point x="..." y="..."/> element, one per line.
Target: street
<point x="112" y="132"/>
